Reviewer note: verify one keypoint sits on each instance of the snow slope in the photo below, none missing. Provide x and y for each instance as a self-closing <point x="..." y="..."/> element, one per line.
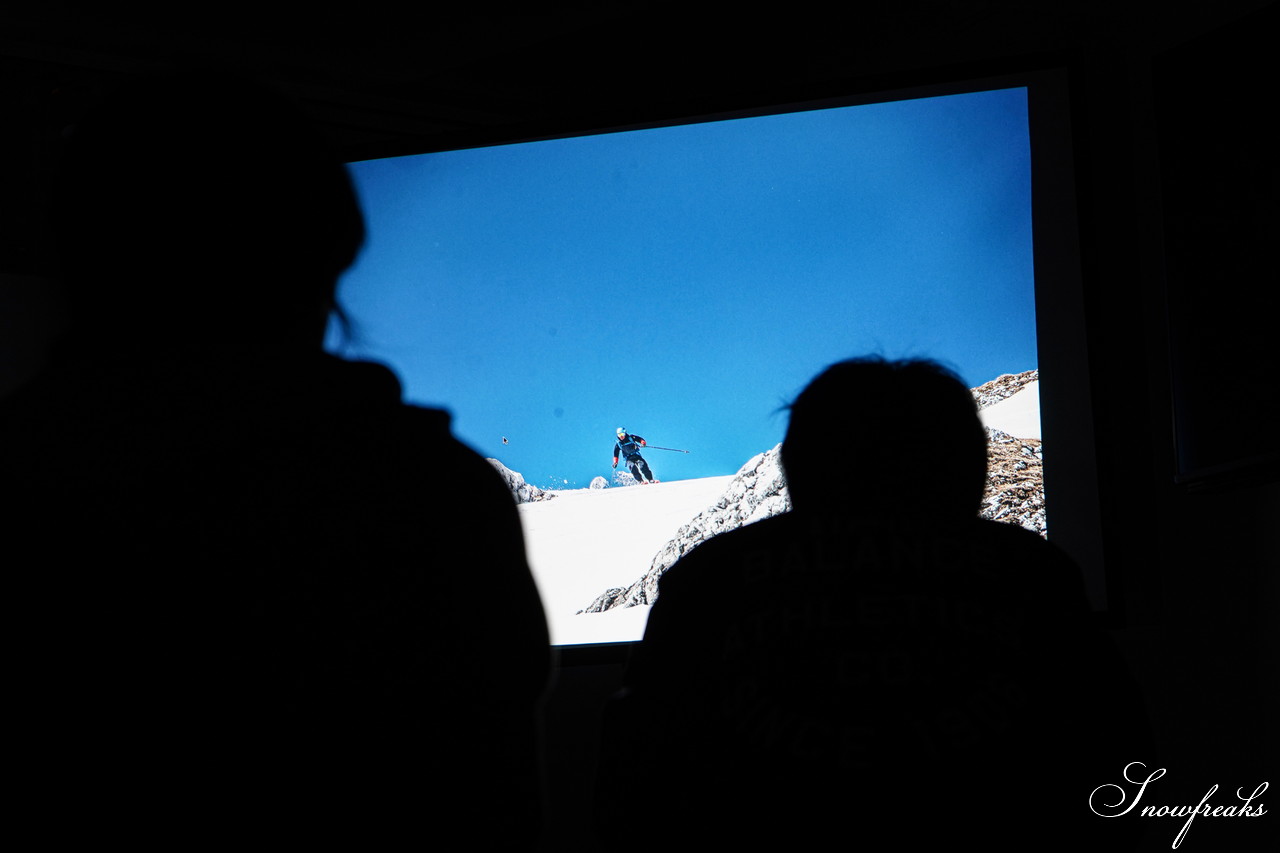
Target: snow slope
<point x="1018" y="415"/>
<point x="586" y="540"/>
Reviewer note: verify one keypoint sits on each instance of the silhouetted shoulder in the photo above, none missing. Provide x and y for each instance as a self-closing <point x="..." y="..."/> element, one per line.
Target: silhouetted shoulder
<point x="806" y="553"/>
<point x="278" y="554"/>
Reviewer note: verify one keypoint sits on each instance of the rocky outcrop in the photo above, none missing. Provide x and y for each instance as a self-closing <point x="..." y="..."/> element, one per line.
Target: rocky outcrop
<point x="1015" y="481"/>
<point x="1015" y="475"/>
<point x="1003" y="387"/>
<point x="522" y="491"/>
<point x="757" y="491"/>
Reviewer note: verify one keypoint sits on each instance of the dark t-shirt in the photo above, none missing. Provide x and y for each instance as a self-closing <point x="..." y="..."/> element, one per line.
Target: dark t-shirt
<point x="808" y="675"/>
<point x="257" y="593"/>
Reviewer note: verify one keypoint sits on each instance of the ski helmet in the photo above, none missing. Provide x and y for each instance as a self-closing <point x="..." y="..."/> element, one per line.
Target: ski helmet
<point x="621" y="432"/>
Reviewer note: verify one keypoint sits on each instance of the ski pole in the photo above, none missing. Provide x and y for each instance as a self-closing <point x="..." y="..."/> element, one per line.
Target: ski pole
<point x="655" y="447"/>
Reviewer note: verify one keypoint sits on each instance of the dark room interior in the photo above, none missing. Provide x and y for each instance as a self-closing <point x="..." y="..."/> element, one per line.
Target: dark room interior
<point x="1175" y="187"/>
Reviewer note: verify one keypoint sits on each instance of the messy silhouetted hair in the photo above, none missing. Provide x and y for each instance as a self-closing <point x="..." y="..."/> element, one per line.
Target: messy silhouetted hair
<point x="887" y="438"/>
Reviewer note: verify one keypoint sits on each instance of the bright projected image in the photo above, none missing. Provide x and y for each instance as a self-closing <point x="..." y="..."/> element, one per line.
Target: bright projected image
<point x="684" y="283"/>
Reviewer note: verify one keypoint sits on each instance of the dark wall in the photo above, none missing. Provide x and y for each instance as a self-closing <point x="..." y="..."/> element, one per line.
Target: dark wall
<point x="1195" y="557"/>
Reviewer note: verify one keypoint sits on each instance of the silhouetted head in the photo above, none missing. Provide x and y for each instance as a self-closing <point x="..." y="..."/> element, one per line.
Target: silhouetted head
<point x="196" y="206"/>
<point x="886" y="438"/>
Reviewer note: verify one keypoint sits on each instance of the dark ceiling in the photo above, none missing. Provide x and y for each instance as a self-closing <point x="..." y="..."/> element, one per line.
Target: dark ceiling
<point x="388" y="78"/>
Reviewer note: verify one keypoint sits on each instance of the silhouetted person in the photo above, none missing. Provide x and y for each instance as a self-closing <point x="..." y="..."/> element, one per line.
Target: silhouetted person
<point x="256" y="599"/>
<point x="878" y="665"/>
<point x="628" y="447"/>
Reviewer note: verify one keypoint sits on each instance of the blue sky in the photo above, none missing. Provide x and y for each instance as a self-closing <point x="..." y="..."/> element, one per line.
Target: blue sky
<point x="686" y="282"/>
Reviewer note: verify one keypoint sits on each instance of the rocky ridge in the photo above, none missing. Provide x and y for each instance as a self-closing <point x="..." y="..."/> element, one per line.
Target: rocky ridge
<point x="520" y="490"/>
<point x="1003" y="387"/>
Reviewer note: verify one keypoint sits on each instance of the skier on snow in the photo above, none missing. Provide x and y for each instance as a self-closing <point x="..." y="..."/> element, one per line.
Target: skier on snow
<point x="629" y="447"/>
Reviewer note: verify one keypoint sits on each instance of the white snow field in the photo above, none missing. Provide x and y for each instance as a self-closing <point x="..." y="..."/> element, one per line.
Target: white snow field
<point x="584" y="541"/>
<point x="1018" y="414"/>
